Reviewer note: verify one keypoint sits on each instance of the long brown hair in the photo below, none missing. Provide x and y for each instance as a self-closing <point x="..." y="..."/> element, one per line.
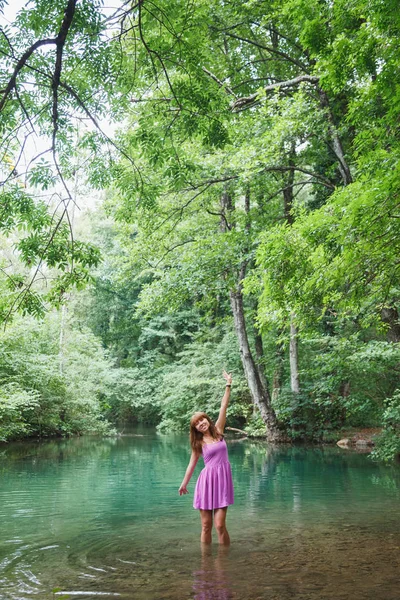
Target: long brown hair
<point x="196" y="437"/>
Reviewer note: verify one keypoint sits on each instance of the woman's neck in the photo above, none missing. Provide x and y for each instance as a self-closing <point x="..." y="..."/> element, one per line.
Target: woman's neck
<point x="208" y="438"/>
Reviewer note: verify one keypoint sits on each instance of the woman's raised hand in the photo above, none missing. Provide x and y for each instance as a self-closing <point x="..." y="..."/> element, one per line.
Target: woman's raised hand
<point x="227" y="377"/>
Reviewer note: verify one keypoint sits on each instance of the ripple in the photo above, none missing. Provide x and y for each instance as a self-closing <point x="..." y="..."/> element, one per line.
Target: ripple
<point x="85" y="593"/>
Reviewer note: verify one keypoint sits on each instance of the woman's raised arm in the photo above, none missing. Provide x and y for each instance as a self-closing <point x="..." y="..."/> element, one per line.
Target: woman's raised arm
<point x="220" y="424"/>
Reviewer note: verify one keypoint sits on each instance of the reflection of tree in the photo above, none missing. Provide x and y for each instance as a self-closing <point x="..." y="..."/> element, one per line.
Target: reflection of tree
<point x="211" y="581"/>
<point x="264" y="467"/>
<point x="54" y="449"/>
<point x="295" y="479"/>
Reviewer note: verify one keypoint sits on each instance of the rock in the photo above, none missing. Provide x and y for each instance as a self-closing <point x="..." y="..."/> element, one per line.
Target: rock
<point x="344" y="443"/>
<point x="364" y="443"/>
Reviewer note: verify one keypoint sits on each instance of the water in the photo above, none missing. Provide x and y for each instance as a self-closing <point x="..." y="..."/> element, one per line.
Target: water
<point x="92" y="518"/>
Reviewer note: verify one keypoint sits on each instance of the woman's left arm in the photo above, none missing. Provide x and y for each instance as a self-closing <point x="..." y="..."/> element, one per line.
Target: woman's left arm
<point x="220" y="424"/>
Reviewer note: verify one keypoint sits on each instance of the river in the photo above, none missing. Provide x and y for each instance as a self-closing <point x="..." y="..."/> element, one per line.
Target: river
<point x="92" y="517"/>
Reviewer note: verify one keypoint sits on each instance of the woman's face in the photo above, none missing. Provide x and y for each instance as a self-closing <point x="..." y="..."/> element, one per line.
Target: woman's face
<point x="202" y="425"/>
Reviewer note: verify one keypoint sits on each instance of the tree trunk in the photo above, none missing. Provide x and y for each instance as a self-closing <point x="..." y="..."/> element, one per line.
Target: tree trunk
<point x="259" y="359"/>
<point x="337" y="144"/>
<point x="288" y="190"/>
<point x="390" y="316"/>
<point x="255" y="381"/>
<point x="63" y="321"/>
<point x="293" y="339"/>
<point x="278" y="372"/>
<point x="61" y="341"/>
<point x="344" y="392"/>
<point x="294" y="358"/>
<point x="294" y="374"/>
<point x="259" y="394"/>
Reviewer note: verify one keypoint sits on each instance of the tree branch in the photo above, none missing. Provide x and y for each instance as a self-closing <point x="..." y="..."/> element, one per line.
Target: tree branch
<point x="219" y="214"/>
<point x="220" y="83"/>
<point x="83" y="106"/>
<point x="282" y="169"/>
<point x="60" y="42"/>
<point x="247" y="101"/>
<point x="271" y="50"/>
<point x="20" y="65"/>
<point x="171" y="249"/>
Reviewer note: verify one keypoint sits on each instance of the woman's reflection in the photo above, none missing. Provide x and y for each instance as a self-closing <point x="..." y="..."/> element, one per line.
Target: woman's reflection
<point x="211" y="581"/>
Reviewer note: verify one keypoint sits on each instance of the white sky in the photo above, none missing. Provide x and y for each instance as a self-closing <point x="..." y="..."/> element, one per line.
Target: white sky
<point x="11" y="9"/>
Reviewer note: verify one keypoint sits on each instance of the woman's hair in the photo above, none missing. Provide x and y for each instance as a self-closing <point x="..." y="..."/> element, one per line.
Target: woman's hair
<point x="196" y="437"/>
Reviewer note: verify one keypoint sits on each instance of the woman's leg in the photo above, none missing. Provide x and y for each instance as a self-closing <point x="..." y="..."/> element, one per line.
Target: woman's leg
<point x="220" y="526"/>
<point x="206" y="526"/>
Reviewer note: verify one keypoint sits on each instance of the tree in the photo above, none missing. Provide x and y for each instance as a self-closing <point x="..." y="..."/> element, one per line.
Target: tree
<point x="58" y="68"/>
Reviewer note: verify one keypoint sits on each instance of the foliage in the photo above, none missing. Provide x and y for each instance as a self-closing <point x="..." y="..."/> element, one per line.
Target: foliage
<point x="388" y="443"/>
<point x="259" y="149"/>
<point x="169" y="364"/>
<point x="303" y="156"/>
<point x="16" y="406"/>
<point x="193" y="382"/>
<point x="56" y="70"/>
<point x="45" y="392"/>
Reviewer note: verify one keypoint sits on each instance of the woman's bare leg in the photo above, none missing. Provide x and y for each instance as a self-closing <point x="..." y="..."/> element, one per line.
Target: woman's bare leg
<point x="220" y="526"/>
<point x="206" y="526"/>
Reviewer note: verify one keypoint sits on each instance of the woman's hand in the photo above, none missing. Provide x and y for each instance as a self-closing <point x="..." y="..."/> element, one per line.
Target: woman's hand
<point x="227" y="377"/>
<point x="183" y="490"/>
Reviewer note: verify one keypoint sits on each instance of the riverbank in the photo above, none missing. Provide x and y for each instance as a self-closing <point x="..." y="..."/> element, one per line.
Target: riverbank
<point x="358" y="438"/>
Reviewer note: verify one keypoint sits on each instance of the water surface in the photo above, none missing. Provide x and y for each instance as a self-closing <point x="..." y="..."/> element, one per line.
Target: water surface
<point x="102" y="518"/>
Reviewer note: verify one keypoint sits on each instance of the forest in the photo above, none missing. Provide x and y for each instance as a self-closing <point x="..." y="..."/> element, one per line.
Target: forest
<point x="193" y="186"/>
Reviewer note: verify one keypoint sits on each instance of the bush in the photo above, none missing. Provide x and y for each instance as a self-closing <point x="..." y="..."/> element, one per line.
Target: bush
<point x="388" y="442"/>
<point x="46" y="391"/>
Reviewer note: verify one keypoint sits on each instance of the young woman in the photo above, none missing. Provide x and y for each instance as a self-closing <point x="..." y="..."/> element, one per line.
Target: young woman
<point x="214" y="487"/>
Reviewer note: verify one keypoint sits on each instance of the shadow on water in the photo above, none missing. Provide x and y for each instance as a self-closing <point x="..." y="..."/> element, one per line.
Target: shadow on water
<point x="102" y="517"/>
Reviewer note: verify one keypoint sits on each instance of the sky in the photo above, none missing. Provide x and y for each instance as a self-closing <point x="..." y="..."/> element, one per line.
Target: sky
<point x="13" y="6"/>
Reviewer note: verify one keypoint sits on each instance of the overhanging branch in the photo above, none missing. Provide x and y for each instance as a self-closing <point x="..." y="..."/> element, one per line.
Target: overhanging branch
<point x="270" y="49"/>
<point x="20" y="65"/>
<point x="247" y="101"/>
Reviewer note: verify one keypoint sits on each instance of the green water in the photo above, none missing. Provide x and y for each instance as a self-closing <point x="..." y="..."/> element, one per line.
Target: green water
<point x="102" y="517"/>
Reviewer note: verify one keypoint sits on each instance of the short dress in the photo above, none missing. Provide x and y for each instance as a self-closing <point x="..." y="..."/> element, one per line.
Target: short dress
<point x="214" y="487"/>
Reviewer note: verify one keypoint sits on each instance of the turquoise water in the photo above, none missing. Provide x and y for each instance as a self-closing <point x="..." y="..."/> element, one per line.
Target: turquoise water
<point x="102" y="518"/>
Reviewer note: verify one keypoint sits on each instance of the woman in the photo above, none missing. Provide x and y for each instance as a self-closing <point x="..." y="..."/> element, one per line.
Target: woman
<point x="214" y="487"/>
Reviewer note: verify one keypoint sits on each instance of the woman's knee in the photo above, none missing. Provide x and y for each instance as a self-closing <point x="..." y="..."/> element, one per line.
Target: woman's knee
<point x="206" y="526"/>
<point x="220" y="527"/>
<point x="206" y="521"/>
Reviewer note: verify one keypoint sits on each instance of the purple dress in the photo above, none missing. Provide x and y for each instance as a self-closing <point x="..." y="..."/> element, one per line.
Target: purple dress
<point x="214" y="487"/>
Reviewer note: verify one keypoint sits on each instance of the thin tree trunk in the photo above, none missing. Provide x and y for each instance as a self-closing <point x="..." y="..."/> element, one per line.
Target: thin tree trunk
<point x="344" y="392"/>
<point x="278" y="373"/>
<point x="294" y="358"/>
<point x="288" y="190"/>
<point x="294" y="334"/>
<point x="61" y="341"/>
<point x="259" y="359"/>
<point x="64" y="306"/>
